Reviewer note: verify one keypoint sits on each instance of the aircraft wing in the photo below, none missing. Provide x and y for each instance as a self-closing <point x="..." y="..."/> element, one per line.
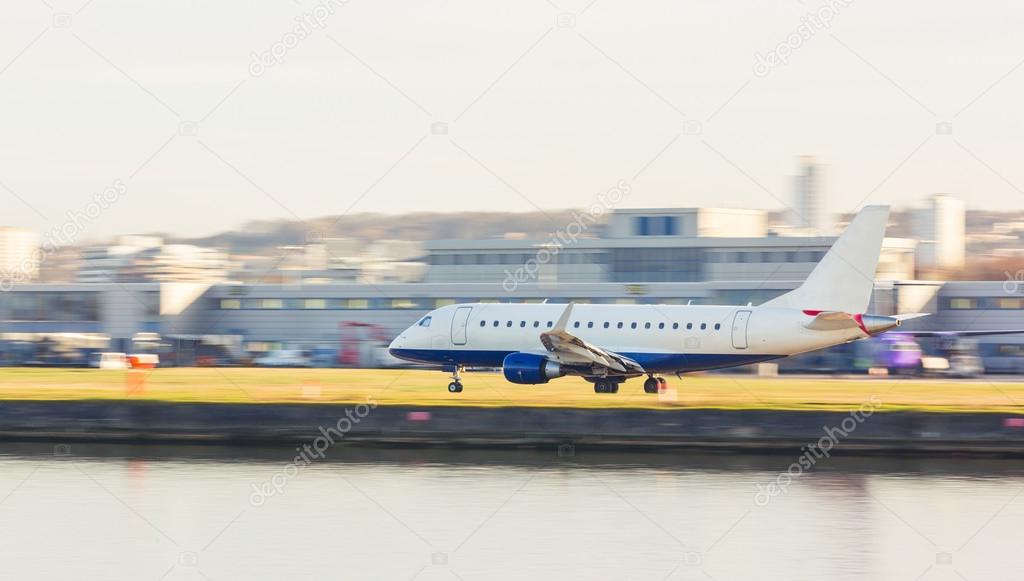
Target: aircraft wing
<point x="567" y="348"/>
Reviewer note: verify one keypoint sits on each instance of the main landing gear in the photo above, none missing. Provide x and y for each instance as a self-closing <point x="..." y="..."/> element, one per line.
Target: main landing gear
<point x="606" y="386"/>
<point x="654" y="384"/>
<point x="456" y="385"/>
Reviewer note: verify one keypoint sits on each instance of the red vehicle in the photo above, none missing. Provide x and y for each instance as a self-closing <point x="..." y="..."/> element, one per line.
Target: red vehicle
<point x="359" y="342"/>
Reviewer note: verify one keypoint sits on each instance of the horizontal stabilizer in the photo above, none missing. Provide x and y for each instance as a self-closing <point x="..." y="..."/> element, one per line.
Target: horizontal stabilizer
<point x="908" y="316"/>
<point x="958" y="333"/>
<point x="830" y="320"/>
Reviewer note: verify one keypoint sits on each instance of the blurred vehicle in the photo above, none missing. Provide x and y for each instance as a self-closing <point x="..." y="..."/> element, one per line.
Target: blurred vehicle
<point x="1003" y="357"/>
<point x="359" y="342"/>
<point x="109" y="360"/>
<point x="899" y="354"/>
<point x="951" y="356"/>
<point x="323" y="357"/>
<point x="284" y="358"/>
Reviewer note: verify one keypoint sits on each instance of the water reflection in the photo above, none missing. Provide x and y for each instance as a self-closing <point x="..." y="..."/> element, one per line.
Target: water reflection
<point x="122" y="512"/>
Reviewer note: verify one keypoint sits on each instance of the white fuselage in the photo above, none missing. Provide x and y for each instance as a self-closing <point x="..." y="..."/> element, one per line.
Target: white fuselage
<point x="661" y="338"/>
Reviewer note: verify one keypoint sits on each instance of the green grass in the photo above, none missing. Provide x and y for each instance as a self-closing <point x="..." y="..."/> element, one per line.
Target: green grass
<point x="428" y="388"/>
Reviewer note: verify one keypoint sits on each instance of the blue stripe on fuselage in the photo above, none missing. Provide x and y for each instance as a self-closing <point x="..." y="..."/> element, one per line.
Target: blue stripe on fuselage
<point x="652" y="362"/>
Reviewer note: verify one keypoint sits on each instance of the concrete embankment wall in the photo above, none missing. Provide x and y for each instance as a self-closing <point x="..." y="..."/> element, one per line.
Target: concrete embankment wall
<point x="510" y="426"/>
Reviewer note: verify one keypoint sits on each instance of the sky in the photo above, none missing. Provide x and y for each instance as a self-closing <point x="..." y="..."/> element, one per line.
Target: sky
<point x="211" y="114"/>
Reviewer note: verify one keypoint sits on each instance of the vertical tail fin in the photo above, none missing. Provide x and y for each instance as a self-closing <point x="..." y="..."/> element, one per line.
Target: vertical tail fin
<point x="845" y="277"/>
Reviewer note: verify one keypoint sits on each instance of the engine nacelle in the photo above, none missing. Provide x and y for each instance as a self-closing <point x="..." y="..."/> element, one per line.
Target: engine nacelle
<point x="528" y="368"/>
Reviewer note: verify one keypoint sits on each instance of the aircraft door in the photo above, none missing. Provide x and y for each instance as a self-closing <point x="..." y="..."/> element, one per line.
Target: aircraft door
<point x="459" y="322"/>
<point x="739" y="329"/>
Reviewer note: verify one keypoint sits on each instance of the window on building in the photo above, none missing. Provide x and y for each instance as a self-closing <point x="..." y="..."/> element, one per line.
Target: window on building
<point x="1010" y="303"/>
<point x="358" y="304"/>
<point x="269" y="304"/>
<point x="230" y="304"/>
<point x="314" y="304"/>
<point x="443" y="303"/>
<point x="963" y="303"/>
<point x="641" y="226"/>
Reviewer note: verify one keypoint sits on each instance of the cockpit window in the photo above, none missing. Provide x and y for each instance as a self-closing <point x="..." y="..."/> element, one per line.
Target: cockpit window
<point x="425" y="322"/>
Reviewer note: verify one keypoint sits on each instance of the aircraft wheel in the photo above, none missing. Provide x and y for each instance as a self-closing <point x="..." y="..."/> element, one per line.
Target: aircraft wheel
<point x="602" y="386"/>
<point x="613" y="387"/>
<point x="455" y="387"/>
<point x="651" y="385"/>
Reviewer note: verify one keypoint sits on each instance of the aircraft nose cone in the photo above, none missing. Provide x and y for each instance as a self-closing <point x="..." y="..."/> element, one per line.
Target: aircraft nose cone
<point x="396" y="344"/>
<point x="875" y="324"/>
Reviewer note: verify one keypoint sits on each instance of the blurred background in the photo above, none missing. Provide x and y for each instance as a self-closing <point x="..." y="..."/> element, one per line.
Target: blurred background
<point x="334" y="291"/>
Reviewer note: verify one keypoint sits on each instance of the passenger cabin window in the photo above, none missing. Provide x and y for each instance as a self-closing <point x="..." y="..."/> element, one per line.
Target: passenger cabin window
<point x="661" y="325"/>
<point x="536" y="324"/>
<point x="590" y="325"/>
<point x="689" y="326"/>
<point x="482" y="323"/>
<point x="550" y="324"/>
<point x="576" y="325"/>
<point x="495" y="323"/>
<point x="606" y="324"/>
<point x="647" y="325"/>
<point x="508" y="324"/>
<point x="619" y="325"/>
<point x="703" y="326"/>
<point x="632" y="326"/>
<point x="522" y="323"/>
<point x="718" y="326"/>
<point x="425" y="322"/>
<point x="675" y="325"/>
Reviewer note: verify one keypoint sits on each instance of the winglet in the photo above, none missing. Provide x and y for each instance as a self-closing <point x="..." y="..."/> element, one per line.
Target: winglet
<point x="563" y="321"/>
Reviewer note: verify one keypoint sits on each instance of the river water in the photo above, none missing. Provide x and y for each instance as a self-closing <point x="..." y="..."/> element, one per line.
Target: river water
<point x="219" y="513"/>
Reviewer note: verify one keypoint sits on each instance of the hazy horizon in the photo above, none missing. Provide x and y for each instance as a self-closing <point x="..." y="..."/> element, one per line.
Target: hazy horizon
<point x="546" y="105"/>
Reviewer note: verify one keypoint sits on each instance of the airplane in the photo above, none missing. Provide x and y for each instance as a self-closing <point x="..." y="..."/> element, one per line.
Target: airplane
<point x="608" y="344"/>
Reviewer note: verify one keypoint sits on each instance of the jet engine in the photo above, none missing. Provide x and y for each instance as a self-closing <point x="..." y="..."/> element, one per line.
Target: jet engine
<point x="527" y="368"/>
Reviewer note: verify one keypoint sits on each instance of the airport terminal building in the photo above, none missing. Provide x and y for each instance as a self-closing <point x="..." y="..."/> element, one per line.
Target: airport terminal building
<point x="651" y="256"/>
